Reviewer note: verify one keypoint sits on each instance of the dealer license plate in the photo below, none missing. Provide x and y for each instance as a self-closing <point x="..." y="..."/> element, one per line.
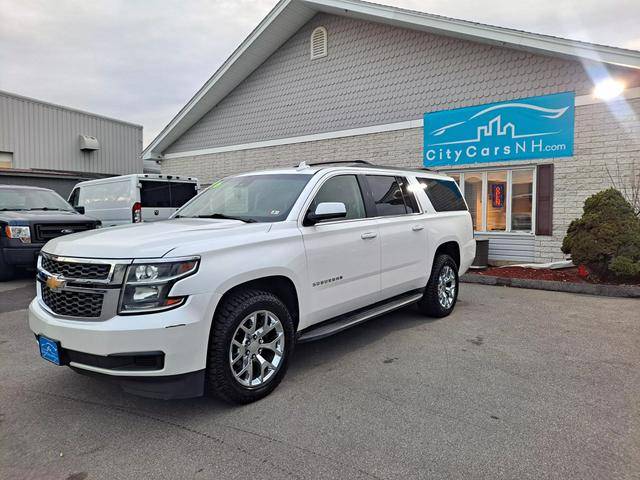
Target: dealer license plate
<point x="49" y="349"/>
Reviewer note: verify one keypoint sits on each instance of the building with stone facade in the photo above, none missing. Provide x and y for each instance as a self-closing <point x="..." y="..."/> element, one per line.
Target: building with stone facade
<point x="342" y="80"/>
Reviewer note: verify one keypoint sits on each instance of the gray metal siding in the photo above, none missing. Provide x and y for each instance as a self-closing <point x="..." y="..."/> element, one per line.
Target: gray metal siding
<point x="513" y="248"/>
<point x="374" y="74"/>
<point x="63" y="186"/>
<point x="45" y="136"/>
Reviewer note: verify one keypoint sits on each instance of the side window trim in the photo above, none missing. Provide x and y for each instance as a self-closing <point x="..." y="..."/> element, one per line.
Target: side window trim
<point x="403" y="183"/>
<point x="365" y="189"/>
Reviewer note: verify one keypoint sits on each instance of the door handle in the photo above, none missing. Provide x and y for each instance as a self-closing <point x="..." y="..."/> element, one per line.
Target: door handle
<point x="368" y="235"/>
<point x="417" y="228"/>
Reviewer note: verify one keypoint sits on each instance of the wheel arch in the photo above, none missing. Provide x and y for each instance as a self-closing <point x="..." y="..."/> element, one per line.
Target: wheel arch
<point x="280" y="285"/>
<point x="451" y="248"/>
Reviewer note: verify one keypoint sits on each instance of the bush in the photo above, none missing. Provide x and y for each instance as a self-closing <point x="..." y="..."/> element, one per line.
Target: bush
<point x="606" y="239"/>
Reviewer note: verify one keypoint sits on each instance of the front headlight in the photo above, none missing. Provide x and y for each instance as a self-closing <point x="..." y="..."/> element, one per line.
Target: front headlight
<point x="147" y="285"/>
<point x="23" y="233"/>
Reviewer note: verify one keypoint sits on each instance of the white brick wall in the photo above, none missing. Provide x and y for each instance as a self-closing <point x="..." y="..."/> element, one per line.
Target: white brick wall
<point x="604" y="134"/>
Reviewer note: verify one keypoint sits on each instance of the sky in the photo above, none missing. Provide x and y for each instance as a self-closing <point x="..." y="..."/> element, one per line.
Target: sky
<point x="142" y="60"/>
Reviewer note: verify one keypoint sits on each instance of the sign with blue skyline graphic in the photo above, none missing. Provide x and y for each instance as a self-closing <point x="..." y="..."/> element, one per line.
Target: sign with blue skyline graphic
<point x="535" y="127"/>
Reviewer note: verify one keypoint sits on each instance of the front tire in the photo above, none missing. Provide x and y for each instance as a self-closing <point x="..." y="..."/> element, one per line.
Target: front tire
<point x="252" y="339"/>
<point x="441" y="293"/>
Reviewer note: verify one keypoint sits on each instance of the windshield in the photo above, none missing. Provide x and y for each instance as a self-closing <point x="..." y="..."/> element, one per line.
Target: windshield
<point x="251" y="198"/>
<point x="28" y="199"/>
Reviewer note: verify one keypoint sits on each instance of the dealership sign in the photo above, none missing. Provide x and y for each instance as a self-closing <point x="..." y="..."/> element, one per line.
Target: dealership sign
<point x="536" y="127"/>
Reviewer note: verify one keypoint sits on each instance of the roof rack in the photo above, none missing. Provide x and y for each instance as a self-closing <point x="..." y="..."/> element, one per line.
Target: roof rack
<point x="364" y="164"/>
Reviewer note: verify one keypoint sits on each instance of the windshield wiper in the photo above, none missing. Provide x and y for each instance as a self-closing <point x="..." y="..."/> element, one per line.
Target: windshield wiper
<point x="226" y="217"/>
<point x="50" y="209"/>
<point x="5" y="209"/>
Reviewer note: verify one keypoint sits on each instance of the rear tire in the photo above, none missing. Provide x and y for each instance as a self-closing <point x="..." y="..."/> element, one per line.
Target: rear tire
<point x="7" y="272"/>
<point x="441" y="294"/>
<point x="252" y="339"/>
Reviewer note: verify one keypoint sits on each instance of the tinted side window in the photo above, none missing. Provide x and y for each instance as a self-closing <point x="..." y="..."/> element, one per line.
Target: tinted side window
<point x="345" y="189"/>
<point x="444" y="194"/>
<point x="387" y="195"/>
<point x="409" y="197"/>
<point x="155" y="194"/>
<point x="181" y="193"/>
<point x="166" y="194"/>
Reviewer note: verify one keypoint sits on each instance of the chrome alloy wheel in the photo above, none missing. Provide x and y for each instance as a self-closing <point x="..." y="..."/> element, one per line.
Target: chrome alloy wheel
<point x="257" y="349"/>
<point x="446" y="287"/>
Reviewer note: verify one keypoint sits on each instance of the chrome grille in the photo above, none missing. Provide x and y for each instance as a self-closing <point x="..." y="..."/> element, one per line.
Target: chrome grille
<point x="86" y="271"/>
<point x="83" y="288"/>
<point x="73" y="304"/>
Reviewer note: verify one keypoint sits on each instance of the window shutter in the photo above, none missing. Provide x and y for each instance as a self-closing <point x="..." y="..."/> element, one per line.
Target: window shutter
<point x="544" y="200"/>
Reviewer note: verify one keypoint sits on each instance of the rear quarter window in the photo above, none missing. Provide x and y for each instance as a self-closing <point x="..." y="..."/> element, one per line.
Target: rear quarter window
<point x="444" y="195"/>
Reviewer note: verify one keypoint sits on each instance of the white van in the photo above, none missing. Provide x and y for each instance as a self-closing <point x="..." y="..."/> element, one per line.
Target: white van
<point x="133" y="198"/>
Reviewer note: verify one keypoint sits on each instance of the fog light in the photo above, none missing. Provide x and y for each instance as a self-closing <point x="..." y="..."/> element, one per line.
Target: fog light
<point x="608" y="89"/>
<point x="142" y="294"/>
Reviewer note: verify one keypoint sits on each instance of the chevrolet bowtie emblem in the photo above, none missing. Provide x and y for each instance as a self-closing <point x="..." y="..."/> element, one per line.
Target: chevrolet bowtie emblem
<point x="55" y="283"/>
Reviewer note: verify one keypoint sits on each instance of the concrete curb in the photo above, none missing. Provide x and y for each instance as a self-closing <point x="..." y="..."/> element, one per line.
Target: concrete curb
<point x="628" y="291"/>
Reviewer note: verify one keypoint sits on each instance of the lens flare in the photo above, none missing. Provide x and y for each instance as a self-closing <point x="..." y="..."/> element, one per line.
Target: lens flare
<point x="608" y="89"/>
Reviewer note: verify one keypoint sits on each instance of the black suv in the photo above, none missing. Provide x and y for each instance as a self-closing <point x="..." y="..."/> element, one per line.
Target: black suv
<point x="29" y="218"/>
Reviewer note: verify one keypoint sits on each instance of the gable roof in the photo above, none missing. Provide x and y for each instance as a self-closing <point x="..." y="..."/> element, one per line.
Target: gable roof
<point x="288" y="16"/>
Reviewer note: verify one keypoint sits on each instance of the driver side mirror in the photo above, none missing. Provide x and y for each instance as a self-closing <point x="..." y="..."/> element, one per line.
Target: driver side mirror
<point x="79" y="209"/>
<point x="326" y="211"/>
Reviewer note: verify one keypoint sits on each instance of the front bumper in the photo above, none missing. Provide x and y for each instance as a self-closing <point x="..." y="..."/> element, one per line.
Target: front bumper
<point x="181" y="335"/>
<point x="22" y="256"/>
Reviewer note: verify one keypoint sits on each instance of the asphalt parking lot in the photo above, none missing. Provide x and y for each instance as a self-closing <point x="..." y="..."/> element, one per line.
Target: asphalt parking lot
<point x="515" y="384"/>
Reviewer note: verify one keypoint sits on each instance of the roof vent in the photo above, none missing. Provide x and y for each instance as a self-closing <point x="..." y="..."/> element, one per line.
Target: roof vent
<point x="318" y="43"/>
<point x="89" y="143"/>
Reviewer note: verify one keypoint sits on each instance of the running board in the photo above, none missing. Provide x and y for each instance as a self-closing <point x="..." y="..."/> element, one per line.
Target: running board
<point x="350" y="320"/>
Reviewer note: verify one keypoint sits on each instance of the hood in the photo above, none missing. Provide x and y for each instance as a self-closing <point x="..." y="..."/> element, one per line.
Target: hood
<point x="44" y="216"/>
<point x="149" y="240"/>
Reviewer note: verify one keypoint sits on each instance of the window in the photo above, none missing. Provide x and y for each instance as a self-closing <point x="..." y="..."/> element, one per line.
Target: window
<point x="181" y="193"/>
<point x="6" y="159"/>
<point x="260" y="198"/>
<point x="521" y="200"/>
<point x="344" y="189"/>
<point x="387" y="195"/>
<point x="499" y="200"/>
<point x="73" y="198"/>
<point x="473" y="196"/>
<point x="166" y="194"/>
<point x="319" y="43"/>
<point x="155" y="194"/>
<point x="19" y="198"/>
<point x="444" y="194"/>
<point x="106" y="195"/>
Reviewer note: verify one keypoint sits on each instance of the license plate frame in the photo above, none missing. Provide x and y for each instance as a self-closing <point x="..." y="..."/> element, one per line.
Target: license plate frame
<point x="50" y="350"/>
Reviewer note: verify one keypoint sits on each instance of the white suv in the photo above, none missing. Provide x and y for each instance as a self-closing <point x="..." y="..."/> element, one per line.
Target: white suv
<point x="216" y="298"/>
